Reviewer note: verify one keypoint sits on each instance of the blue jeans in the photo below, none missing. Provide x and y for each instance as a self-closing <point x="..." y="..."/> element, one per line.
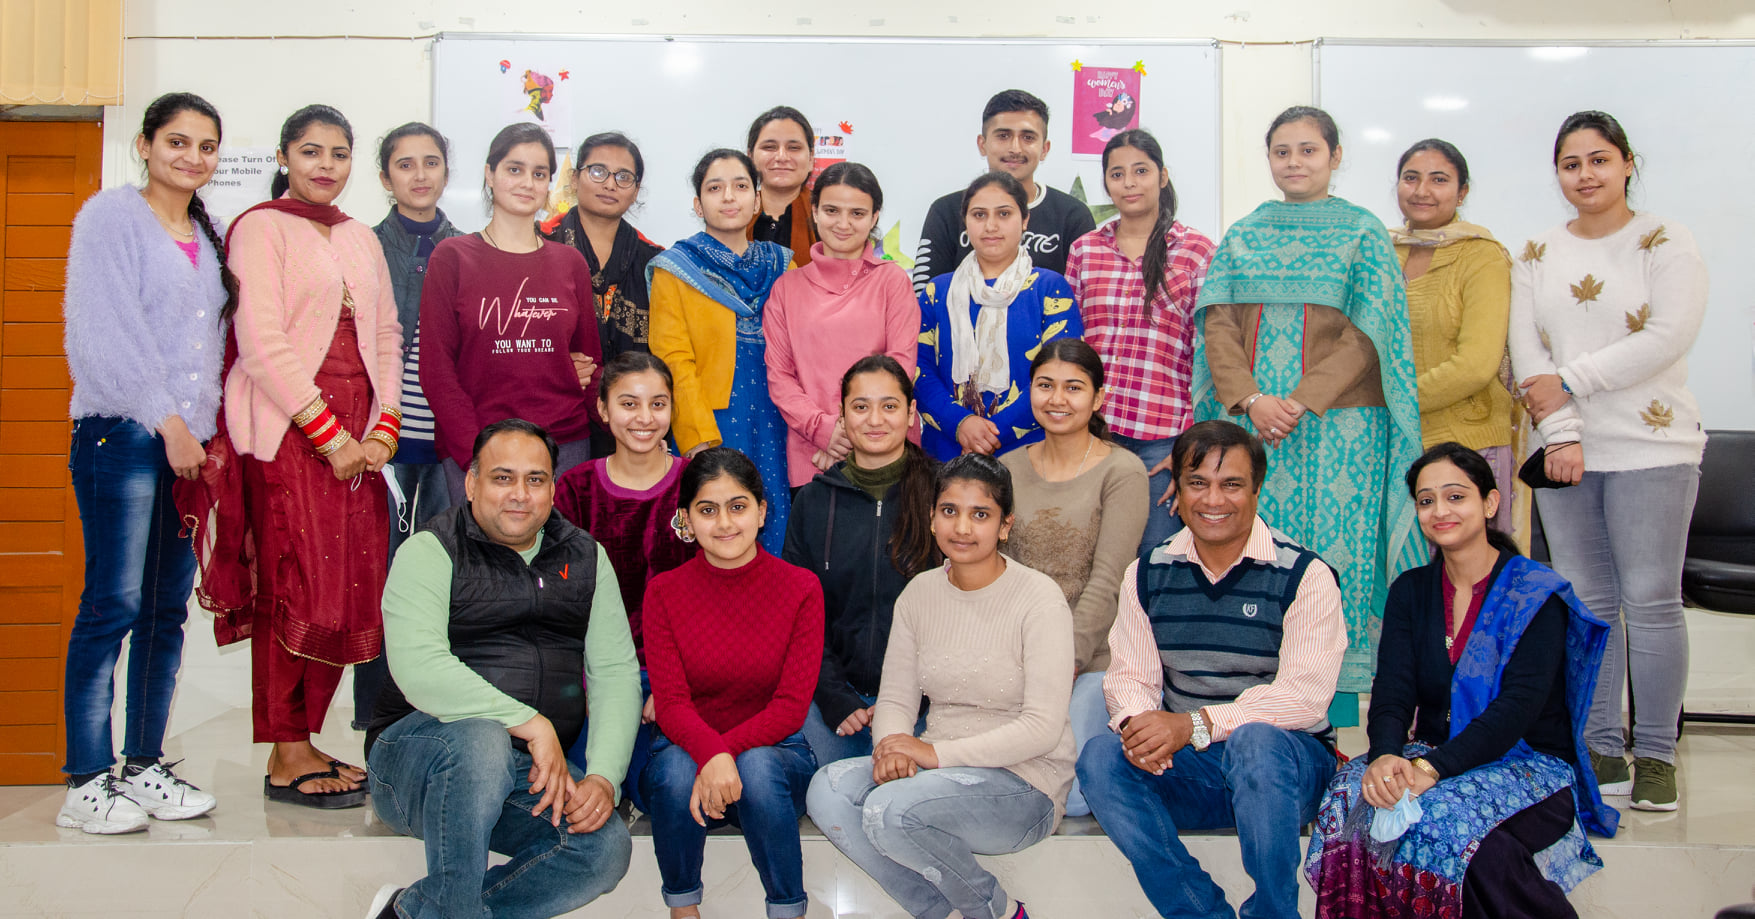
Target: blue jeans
<point x="464" y="790"/>
<point x="1161" y="524"/>
<point x="830" y="747"/>
<point x="774" y="781"/>
<point x="423" y="485"/>
<point x="1619" y="537"/>
<point x="138" y="574"/>
<point x="918" y="837"/>
<point x="1263" y="780"/>
<point x="636" y="761"/>
<point x="1090" y="717"/>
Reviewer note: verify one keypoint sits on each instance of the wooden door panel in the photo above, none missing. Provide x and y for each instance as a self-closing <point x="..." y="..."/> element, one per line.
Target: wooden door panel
<point x="40" y="210"/>
<point x="32" y="306"/>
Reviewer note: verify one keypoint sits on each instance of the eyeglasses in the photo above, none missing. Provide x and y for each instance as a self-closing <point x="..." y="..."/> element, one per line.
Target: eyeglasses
<point x="599" y="172"/>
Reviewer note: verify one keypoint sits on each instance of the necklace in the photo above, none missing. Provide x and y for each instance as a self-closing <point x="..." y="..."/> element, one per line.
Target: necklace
<point x="1090" y="441"/>
<point x="169" y="227"/>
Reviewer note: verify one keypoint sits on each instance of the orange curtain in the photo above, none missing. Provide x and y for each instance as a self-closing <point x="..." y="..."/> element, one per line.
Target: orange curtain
<point x="60" y="52"/>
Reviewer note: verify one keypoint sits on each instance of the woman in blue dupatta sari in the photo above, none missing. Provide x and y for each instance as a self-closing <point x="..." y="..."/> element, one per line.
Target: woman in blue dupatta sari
<point x="1492" y="661"/>
<point x="707" y="294"/>
<point x="1302" y="329"/>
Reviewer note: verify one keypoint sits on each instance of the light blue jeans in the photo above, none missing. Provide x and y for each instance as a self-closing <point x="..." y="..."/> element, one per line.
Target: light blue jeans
<point x="1090" y="717"/>
<point x="1161" y="524"/>
<point x="918" y="837"/>
<point x="830" y="747"/>
<point x="1619" y="537"/>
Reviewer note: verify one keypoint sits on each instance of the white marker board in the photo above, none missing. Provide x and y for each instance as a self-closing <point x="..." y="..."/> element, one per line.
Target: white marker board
<point x="914" y="106"/>
<point x="1501" y="104"/>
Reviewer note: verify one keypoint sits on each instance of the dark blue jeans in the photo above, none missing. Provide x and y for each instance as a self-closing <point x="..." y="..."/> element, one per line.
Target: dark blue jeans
<point x="1161" y="524"/>
<point x="636" y="761"/>
<point x="775" y="780"/>
<point x="1264" y="781"/>
<point x="138" y="575"/>
<point x="464" y="790"/>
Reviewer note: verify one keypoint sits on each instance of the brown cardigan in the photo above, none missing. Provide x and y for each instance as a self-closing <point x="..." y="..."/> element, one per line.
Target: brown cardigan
<point x="804" y="228"/>
<point x="1340" y="362"/>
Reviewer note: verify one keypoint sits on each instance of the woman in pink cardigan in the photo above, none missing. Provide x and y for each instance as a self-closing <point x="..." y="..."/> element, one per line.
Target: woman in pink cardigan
<point x="310" y="407"/>
<point x="846" y="303"/>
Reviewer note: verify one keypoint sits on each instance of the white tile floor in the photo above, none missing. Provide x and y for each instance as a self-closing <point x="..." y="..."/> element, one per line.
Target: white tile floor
<point x="250" y="858"/>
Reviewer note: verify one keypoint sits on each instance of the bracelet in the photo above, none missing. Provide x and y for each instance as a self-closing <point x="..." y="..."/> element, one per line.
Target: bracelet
<point x="1249" y="402"/>
<point x="310" y="412"/>
<point x="340" y="439"/>
<point x="1421" y="764"/>
<point x="389" y="424"/>
<point x="387" y="440"/>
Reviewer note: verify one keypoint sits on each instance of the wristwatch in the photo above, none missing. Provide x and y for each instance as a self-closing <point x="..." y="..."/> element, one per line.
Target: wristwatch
<point x="1201" y="739"/>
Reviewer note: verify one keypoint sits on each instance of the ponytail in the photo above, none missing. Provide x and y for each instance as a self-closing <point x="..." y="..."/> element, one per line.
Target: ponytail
<point x="280" y="184"/>
<point x="912" y="548"/>
<point x="1155" y="263"/>
<point x="198" y="216"/>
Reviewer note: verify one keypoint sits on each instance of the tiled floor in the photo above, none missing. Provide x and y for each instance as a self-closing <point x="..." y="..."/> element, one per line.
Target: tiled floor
<point x="250" y="858"/>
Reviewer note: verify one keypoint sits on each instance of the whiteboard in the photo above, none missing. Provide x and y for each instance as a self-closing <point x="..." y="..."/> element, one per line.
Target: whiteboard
<point x="1501" y="104"/>
<point x="914" y="106"/>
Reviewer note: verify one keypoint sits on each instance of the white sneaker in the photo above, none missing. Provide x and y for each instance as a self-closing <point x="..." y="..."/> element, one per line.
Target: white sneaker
<point x="101" y="806"/>
<point x="382" y="903"/>
<point x="160" y="793"/>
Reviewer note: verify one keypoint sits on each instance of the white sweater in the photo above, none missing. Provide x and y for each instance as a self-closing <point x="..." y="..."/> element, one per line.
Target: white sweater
<point x="1615" y="317"/>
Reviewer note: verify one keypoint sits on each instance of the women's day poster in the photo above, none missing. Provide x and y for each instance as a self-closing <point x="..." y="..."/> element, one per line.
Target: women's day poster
<point x="1106" y="101"/>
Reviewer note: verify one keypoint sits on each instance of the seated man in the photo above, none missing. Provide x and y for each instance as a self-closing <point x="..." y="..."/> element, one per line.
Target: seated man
<point x="496" y="615"/>
<point x="1224" y="656"/>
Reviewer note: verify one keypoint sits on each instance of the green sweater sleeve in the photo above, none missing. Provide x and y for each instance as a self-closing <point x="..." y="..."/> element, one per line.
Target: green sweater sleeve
<point x="417" y="641"/>
<point x="612" y="681"/>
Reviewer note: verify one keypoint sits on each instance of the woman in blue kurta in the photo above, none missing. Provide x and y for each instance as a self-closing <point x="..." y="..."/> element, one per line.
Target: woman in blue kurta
<point x="1302" y="327"/>
<point x="982" y="324"/>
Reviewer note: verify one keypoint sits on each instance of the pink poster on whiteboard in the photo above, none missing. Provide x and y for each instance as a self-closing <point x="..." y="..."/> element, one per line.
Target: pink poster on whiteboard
<point x="1106" y="101"/>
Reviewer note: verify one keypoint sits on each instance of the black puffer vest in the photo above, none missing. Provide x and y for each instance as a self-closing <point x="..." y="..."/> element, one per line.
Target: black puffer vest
<point x="520" y="627"/>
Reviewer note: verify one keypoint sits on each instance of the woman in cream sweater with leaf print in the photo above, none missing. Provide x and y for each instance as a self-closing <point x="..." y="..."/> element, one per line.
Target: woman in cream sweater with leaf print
<point x="1604" y="309"/>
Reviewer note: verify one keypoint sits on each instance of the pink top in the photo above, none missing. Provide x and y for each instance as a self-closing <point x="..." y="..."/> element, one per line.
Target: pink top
<point x="193" y="250"/>
<point x="290" y="281"/>
<point x="819" y="320"/>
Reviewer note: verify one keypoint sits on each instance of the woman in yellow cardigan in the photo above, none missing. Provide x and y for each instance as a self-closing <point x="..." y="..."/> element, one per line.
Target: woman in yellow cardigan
<point x="1459" y="306"/>
<point x="707" y="294"/>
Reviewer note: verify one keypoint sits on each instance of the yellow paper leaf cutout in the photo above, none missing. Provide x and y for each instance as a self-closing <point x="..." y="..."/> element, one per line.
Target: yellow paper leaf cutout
<point x="1533" y="252"/>
<point x="1654" y="239"/>
<point x="1636" y="321"/>
<point x="1657" y="415"/>
<point x="1586" y="290"/>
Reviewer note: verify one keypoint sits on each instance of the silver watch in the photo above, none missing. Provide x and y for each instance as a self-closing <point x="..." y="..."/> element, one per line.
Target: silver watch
<point x="1201" y="739"/>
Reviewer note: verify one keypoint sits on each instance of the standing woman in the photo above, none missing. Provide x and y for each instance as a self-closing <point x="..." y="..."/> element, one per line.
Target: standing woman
<point x="146" y="284"/>
<point x="839" y="531"/>
<point x="1081" y="506"/>
<point x="1459" y="306"/>
<point x="783" y="148"/>
<point x="1137" y="280"/>
<point x="1303" y="330"/>
<point x="1604" y="308"/>
<point x="989" y="641"/>
<point x="312" y="407"/>
<point x="507" y="317"/>
<point x="733" y="638"/>
<point x="980" y="324"/>
<point x="843" y="304"/>
<point x="708" y="296"/>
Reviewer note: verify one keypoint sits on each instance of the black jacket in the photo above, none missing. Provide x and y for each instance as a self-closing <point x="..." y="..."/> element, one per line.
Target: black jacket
<point x="837" y="532"/>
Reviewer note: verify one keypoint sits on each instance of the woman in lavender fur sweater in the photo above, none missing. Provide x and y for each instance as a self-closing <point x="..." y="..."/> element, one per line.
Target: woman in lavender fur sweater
<point x="146" y="282"/>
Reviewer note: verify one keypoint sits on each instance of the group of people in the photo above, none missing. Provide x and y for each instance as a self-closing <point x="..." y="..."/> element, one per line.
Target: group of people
<point x="1084" y="520"/>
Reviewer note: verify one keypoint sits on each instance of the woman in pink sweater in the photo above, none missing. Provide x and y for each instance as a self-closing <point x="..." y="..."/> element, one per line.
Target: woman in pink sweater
<point x="846" y="303"/>
<point x="310" y="407"/>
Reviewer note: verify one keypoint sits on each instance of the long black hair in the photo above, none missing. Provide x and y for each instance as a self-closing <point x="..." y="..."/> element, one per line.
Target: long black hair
<point x="1155" y="263"/>
<point x="158" y="114"/>
<point x="295" y="127"/>
<point x="1479" y="474"/>
<point x="1076" y="352"/>
<point x="912" y="548"/>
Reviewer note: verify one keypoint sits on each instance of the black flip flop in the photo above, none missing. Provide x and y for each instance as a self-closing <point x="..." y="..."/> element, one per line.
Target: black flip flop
<point x="338" y="765"/>
<point x="325" y="800"/>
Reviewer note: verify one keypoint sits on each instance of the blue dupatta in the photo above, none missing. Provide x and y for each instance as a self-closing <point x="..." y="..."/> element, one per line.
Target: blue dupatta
<point x="739" y="283"/>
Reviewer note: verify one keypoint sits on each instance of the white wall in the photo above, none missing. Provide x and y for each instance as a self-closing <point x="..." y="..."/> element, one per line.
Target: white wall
<point x="258" y="62"/>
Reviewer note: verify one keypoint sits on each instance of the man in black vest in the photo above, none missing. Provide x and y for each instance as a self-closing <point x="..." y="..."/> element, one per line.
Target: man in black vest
<point x="497" y="615"/>
<point x="1223" y="661"/>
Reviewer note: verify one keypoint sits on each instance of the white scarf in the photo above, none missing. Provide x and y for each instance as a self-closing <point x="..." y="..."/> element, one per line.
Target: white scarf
<point x="979" y="347"/>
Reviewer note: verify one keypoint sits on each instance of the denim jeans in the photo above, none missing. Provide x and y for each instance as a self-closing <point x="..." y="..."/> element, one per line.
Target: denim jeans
<point x="774" y="782"/>
<point x="424" y="487"/>
<point x="918" y="837"/>
<point x="138" y="575"/>
<point x="463" y="789"/>
<point x="1263" y="780"/>
<point x="1090" y="717"/>
<point x="1619" y="537"/>
<point x="1161" y="524"/>
<point x="636" y="760"/>
<point x="830" y="747"/>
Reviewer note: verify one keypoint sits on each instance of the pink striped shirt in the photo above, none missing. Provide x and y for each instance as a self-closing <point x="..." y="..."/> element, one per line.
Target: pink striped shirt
<point x="1313" y="640"/>
<point x="1148" y="352"/>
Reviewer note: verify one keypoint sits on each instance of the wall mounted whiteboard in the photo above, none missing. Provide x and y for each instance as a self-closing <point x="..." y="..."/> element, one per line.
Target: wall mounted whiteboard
<point x="1501" y="104"/>
<point x="914" y="106"/>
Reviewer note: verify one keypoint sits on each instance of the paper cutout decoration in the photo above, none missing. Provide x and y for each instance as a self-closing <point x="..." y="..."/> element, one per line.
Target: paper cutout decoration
<point x="1139" y="67"/>
<point x="1109" y="96"/>
<point x="539" y="89"/>
<point x="1077" y="66"/>
<point x="505" y="66"/>
<point x="846" y="127"/>
<point x="566" y="74"/>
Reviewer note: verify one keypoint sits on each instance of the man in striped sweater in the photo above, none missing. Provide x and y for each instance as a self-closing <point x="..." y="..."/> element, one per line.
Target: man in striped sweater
<point x="1224" y="656"/>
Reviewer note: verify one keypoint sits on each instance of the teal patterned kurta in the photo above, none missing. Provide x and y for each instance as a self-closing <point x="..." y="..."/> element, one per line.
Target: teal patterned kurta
<point x="1334" y="485"/>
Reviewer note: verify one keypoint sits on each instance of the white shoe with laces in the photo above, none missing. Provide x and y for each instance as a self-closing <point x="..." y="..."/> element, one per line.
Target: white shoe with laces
<point x="101" y="806"/>
<point x="162" y="794"/>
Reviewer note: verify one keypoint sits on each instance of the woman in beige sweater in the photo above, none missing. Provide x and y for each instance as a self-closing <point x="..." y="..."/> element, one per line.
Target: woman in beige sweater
<point x="1081" y="509"/>
<point x="990" y="642"/>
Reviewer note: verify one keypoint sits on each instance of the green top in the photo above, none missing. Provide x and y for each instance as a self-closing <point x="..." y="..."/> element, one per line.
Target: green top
<point x="417" y="644"/>
<point x="874" y="482"/>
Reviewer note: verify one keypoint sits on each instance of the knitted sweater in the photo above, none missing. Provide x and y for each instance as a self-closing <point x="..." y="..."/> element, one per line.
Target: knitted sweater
<point x="1457" y="313"/>
<point x="997" y="665"/>
<point x="1615" y="317"/>
<point x="142" y="324"/>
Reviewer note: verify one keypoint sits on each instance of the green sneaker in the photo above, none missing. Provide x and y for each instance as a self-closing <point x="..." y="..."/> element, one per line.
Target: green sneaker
<point x="1654" y="785"/>
<point x="1613" y="779"/>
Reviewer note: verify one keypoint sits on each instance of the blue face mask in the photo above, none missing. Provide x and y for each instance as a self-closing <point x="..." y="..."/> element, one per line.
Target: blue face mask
<point x="1389" y="823"/>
